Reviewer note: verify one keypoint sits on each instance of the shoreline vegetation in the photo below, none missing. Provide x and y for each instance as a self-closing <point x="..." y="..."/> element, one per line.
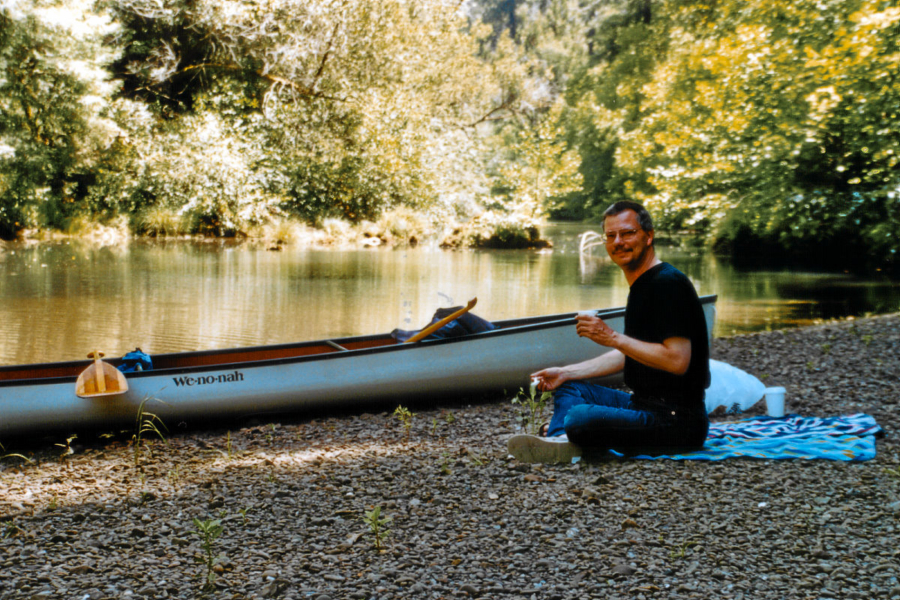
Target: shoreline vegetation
<point x="407" y="229"/>
<point x="366" y="505"/>
<point x="398" y="228"/>
<point x="765" y="128"/>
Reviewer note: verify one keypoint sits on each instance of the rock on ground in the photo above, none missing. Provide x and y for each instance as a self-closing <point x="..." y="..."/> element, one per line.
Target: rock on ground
<point x="459" y="519"/>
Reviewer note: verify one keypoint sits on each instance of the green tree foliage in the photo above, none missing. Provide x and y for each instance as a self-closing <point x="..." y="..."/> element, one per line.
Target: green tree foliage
<point x="768" y="126"/>
<point x="535" y="171"/>
<point x="771" y="127"/>
<point x="600" y="55"/>
<point x="53" y="134"/>
<point x="332" y="108"/>
<point x="775" y="126"/>
<point x="500" y="15"/>
<point x="214" y="116"/>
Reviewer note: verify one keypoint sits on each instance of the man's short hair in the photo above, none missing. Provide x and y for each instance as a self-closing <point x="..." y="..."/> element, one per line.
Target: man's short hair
<point x="643" y="216"/>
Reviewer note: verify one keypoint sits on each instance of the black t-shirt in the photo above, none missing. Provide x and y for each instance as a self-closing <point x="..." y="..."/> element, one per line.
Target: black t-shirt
<point x="663" y="303"/>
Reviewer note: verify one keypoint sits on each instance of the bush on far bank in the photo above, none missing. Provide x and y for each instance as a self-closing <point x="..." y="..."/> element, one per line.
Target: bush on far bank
<point x="400" y="227"/>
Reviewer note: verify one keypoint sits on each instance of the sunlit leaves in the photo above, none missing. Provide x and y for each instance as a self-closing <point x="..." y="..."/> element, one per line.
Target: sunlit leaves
<point x="232" y="112"/>
<point x="356" y="99"/>
<point x="780" y="116"/>
<point x="540" y="168"/>
<point x="54" y="133"/>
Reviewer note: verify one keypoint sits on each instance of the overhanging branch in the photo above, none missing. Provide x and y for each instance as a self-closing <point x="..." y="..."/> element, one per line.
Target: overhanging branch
<point x="272" y="79"/>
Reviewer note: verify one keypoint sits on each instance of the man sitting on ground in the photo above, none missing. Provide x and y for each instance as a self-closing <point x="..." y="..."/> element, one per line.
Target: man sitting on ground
<point x="664" y="352"/>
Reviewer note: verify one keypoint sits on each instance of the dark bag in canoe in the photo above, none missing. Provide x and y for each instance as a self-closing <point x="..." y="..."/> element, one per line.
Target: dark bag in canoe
<point x="464" y="325"/>
<point x="136" y="360"/>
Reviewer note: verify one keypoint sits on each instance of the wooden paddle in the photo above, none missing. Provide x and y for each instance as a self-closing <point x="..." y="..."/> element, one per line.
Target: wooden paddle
<point x="435" y="326"/>
<point x="100" y="379"/>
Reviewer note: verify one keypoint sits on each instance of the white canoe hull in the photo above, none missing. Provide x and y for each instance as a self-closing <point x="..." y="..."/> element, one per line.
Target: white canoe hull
<point x="495" y="360"/>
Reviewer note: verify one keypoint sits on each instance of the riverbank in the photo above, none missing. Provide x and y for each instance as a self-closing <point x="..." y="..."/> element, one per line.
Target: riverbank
<point x="466" y="521"/>
<point x="397" y="228"/>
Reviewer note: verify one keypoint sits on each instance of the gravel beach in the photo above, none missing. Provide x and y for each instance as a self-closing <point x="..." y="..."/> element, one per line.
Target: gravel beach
<point x="93" y="521"/>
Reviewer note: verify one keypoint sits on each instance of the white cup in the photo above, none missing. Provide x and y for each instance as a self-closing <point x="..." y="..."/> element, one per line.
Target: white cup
<point x="775" y="401"/>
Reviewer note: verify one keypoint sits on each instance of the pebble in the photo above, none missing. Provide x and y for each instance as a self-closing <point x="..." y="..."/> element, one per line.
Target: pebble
<point x="292" y="501"/>
<point x="623" y="569"/>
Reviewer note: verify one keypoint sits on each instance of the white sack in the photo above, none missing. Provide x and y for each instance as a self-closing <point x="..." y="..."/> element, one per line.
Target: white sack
<point x="730" y="386"/>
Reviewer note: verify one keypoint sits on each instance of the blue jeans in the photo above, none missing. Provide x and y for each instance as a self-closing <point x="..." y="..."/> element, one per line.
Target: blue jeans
<point x="597" y="417"/>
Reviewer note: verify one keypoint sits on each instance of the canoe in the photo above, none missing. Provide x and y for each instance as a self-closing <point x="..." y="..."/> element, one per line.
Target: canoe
<point x="196" y="387"/>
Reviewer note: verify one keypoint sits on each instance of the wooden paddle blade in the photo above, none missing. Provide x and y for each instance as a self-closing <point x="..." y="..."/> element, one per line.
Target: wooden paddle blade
<point x="435" y="326"/>
<point x="100" y="379"/>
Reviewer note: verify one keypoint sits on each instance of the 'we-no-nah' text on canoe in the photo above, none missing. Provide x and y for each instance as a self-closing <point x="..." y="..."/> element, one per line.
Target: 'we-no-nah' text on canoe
<point x="208" y="379"/>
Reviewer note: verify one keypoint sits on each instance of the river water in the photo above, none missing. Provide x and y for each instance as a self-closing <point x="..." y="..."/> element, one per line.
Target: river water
<point x="59" y="301"/>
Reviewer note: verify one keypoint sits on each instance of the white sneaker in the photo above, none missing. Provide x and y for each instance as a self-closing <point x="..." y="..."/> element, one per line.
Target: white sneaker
<point x="534" y="449"/>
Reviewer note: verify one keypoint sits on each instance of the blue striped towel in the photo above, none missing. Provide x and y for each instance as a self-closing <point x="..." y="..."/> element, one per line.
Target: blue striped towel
<point x="847" y="438"/>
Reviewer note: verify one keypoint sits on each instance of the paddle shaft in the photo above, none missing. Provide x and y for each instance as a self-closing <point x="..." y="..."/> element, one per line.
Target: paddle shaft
<point x="99" y="375"/>
<point x="435" y="326"/>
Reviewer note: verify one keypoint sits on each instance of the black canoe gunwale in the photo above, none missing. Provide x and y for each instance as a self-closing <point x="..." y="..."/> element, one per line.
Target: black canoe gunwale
<point x="504" y="328"/>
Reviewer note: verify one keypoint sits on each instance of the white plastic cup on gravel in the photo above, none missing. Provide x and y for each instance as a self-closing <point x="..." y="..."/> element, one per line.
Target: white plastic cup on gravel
<point x="775" y="401"/>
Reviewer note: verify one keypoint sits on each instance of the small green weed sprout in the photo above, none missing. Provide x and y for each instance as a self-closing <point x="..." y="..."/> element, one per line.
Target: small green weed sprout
<point x="174" y="476"/>
<point x="867" y="339"/>
<point x="445" y="464"/>
<point x="144" y="424"/>
<point x="826" y="348"/>
<point x="67" y="449"/>
<point x="405" y="417"/>
<point x="378" y="526"/>
<point x="680" y="550"/>
<point x="434" y="426"/>
<point x="13" y="455"/>
<point x="532" y="407"/>
<point x="893" y="472"/>
<point x="208" y="531"/>
<point x="145" y="495"/>
<point x="449" y="417"/>
<point x="244" y="512"/>
<point x="11" y="530"/>
<point x="477" y="459"/>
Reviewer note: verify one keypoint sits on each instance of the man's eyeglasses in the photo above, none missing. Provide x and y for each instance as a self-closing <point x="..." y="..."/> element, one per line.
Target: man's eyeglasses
<point x="625" y="234"/>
